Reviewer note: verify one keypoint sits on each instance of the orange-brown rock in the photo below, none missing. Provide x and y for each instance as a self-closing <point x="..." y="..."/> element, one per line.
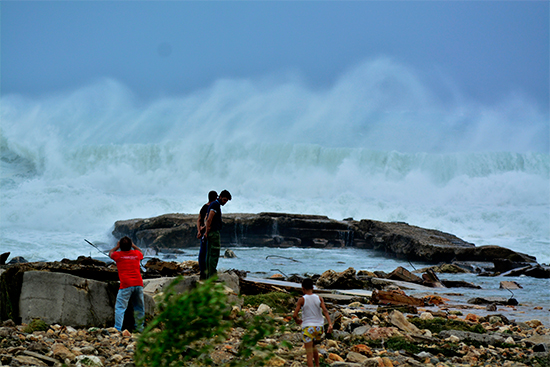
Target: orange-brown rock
<point x="363" y="349"/>
<point x="395" y="298"/>
<point x="335" y="357"/>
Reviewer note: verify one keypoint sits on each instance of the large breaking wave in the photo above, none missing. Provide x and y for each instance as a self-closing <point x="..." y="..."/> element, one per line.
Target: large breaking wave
<point x="377" y="144"/>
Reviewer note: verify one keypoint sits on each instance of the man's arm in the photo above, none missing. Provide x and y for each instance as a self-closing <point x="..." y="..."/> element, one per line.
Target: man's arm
<point x="325" y="312"/>
<point x="114" y="249"/>
<point x="297" y="311"/>
<point x="136" y="248"/>
<point x="209" y="221"/>
<point x="199" y="227"/>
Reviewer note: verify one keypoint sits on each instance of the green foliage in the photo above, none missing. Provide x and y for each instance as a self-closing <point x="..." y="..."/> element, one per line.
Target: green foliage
<point x="184" y="320"/>
<point x="438" y="324"/>
<point x="190" y="325"/>
<point x="540" y="361"/>
<point x="280" y="302"/>
<point x="393" y="343"/>
<point x="36" y="325"/>
<point x="400" y="343"/>
<point x="447" y="349"/>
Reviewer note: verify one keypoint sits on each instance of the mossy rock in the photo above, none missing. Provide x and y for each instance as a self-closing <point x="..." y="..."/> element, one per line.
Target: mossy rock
<point x="36" y="325"/>
<point x="395" y="343"/>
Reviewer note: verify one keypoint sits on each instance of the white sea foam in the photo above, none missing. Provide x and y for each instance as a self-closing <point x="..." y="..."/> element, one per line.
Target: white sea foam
<point x="378" y="144"/>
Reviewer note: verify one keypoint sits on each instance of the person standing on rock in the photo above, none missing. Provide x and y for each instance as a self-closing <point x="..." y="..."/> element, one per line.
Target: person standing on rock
<point x="212" y="232"/>
<point x="313" y="307"/>
<point x="127" y="257"/>
<point x="201" y="229"/>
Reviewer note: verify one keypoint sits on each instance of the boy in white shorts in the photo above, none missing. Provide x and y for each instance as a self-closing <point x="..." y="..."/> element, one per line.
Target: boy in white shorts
<point x="313" y="307"/>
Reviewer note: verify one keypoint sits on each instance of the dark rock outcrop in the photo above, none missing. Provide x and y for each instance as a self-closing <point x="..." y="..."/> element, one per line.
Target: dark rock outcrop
<point x="254" y="230"/>
<point x="395" y="239"/>
<point x="415" y="243"/>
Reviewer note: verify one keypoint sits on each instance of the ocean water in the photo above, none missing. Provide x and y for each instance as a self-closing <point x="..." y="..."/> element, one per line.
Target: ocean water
<point x="379" y="143"/>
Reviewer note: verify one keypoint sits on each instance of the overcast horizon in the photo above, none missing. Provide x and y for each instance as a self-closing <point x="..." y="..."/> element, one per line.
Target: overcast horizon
<point x="486" y="51"/>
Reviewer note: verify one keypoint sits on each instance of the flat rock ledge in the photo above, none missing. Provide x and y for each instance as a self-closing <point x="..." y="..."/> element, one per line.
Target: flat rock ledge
<point x="394" y="239"/>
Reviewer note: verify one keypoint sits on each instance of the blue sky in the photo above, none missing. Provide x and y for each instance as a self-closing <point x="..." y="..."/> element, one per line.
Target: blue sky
<point x="486" y="49"/>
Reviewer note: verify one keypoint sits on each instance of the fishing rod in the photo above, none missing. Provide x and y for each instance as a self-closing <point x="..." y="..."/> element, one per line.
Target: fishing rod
<point x="97" y="248"/>
<point x="106" y="254"/>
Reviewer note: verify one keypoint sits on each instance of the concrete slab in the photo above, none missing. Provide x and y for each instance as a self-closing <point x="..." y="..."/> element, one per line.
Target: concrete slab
<point x="355" y="292"/>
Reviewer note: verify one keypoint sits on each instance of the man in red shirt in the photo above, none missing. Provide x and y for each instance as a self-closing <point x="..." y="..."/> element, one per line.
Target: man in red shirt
<point x="131" y="284"/>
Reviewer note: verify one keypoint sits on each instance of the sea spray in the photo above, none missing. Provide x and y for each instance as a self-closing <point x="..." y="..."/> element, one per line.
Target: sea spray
<point x="378" y="144"/>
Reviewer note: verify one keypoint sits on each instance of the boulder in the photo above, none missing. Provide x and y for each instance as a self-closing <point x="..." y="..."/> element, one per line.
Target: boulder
<point x="231" y="280"/>
<point x="355" y="357"/>
<point x="400" y="321"/>
<point x="65" y="299"/>
<point x="346" y="279"/>
<point x="485" y="339"/>
<point x="430" y="279"/>
<point x="395" y="298"/>
<point x="400" y="273"/>
<point x="229" y="254"/>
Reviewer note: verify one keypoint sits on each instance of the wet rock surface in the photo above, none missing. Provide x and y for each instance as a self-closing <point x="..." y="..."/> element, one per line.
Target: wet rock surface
<point x="394" y="239"/>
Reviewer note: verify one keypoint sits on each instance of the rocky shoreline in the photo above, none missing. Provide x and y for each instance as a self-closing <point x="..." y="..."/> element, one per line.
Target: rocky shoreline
<point x="385" y="338"/>
<point x="376" y="322"/>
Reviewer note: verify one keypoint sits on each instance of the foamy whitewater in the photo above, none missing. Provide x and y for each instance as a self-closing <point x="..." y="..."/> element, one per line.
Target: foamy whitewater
<point x="377" y="144"/>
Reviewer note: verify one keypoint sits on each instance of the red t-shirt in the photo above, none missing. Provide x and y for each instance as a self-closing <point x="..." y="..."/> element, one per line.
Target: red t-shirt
<point x="128" y="265"/>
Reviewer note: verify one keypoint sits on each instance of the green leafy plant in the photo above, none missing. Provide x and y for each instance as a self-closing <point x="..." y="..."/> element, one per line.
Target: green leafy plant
<point x="186" y="328"/>
<point x="190" y="325"/>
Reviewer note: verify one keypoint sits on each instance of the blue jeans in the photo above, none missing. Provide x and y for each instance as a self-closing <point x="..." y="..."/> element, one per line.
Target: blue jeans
<point x="134" y="294"/>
